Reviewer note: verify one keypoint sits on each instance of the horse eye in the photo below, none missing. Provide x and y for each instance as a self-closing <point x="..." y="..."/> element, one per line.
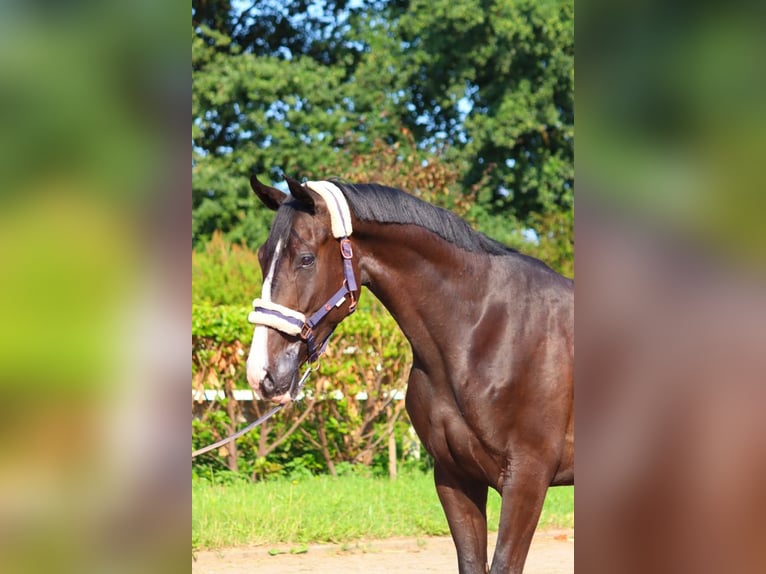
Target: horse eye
<point x="306" y="260"/>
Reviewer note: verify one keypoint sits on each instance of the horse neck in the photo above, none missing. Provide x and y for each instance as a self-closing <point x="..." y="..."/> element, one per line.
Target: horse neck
<point x="429" y="286"/>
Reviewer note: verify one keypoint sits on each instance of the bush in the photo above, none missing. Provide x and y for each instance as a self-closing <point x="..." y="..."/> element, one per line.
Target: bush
<point x="224" y="273"/>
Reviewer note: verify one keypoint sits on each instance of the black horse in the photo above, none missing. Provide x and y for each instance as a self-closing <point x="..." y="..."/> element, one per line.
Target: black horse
<point x="492" y="332"/>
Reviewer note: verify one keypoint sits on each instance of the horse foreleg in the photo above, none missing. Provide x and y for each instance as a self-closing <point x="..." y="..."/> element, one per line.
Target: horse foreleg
<point x="465" y="504"/>
<point x="523" y="495"/>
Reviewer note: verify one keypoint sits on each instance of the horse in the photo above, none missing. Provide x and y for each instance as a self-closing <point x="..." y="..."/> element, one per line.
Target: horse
<point x="490" y="391"/>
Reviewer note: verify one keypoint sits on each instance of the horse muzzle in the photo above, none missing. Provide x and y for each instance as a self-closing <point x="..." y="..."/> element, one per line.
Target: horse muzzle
<point x="270" y="390"/>
<point x="278" y="381"/>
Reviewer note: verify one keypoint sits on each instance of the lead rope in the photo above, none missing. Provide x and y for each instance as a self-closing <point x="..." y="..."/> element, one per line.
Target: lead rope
<point x="255" y="423"/>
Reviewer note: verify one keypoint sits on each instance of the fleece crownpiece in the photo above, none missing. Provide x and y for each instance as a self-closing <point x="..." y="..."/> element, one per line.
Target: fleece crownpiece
<point x="340" y="214"/>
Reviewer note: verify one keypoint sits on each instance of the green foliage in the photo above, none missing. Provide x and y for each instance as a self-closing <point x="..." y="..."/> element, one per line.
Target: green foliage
<point x="221" y="323"/>
<point x="555" y="230"/>
<point x="262" y="113"/>
<point x="498" y="82"/>
<point x="487" y="88"/>
<point x="224" y="273"/>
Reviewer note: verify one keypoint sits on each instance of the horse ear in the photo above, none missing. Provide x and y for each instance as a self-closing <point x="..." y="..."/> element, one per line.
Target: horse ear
<point x="301" y="193"/>
<point x="270" y="196"/>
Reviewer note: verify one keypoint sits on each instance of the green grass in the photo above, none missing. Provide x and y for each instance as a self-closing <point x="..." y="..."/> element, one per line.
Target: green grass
<point x="338" y="510"/>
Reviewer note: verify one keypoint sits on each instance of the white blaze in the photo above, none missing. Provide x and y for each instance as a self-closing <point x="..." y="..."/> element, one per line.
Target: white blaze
<point x="258" y="359"/>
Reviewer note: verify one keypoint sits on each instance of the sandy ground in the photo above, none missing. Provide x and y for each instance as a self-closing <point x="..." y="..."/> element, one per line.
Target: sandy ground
<point x="552" y="552"/>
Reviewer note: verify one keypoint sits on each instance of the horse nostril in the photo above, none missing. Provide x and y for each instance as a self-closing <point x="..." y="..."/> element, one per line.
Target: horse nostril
<point x="267" y="384"/>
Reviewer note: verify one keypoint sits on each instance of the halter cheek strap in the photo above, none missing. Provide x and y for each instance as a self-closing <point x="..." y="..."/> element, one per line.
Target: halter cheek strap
<point x="293" y="322"/>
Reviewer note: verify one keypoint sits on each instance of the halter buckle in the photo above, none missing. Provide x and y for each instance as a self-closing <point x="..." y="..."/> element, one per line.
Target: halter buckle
<point x="345" y="249"/>
<point x="305" y="331"/>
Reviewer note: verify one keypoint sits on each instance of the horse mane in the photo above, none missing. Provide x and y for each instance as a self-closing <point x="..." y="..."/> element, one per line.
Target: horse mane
<point x="383" y="204"/>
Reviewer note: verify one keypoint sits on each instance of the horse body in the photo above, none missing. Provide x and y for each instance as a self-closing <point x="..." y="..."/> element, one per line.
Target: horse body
<point x="490" y="392"/>
<point x="492" y="403"/>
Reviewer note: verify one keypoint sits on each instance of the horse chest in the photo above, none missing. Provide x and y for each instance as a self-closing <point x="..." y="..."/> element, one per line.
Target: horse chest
<point x="455" y="444"/>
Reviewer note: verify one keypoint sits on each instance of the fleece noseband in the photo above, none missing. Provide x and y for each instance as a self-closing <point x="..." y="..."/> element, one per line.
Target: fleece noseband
<point x="295" y="323"/>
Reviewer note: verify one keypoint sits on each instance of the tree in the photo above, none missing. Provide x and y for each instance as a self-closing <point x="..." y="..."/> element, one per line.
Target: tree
<point x="291" y="87"/>
<point x="273" y="93"/>
<point x="495" y="81"/>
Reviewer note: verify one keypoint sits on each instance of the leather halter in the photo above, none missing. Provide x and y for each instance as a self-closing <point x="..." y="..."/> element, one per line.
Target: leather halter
<point x="295" y="323"/>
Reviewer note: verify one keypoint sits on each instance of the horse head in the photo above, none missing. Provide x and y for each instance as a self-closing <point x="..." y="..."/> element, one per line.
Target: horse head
<point x="309" y="284"/>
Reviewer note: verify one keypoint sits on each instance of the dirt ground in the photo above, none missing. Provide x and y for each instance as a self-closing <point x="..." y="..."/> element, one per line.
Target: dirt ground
<point x="552" y="552"/>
